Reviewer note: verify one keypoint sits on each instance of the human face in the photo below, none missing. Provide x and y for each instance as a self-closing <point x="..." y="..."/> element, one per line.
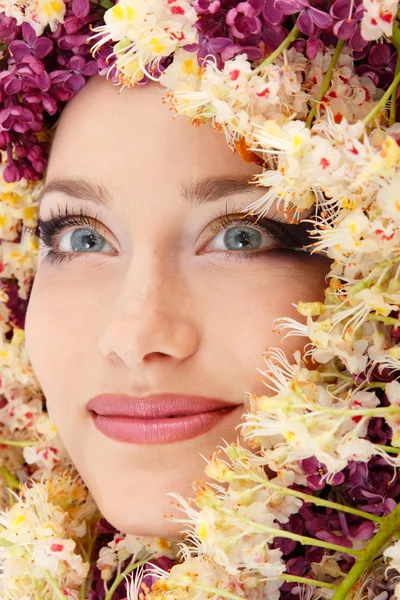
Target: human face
<point x="160" y="306"/>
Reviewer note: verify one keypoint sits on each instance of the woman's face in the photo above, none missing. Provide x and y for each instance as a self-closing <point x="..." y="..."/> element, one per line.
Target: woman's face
<point x="162" y="295"/>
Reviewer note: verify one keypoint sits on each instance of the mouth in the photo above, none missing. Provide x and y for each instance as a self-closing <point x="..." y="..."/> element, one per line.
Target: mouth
<point x="155" y="420"/>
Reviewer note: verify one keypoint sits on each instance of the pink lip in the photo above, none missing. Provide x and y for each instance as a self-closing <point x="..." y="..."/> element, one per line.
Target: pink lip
<point x="157" y="419"/>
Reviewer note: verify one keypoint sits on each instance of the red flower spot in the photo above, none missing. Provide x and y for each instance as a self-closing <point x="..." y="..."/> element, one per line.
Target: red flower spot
<point x="354" y="150"/>
<point x="1" y="266"/>
<point x="381" y="233"/>
<point x="264" y="92"/>
<point x="338" y="118"/>
<point x="56" y="547"/>
<point x="332" y="94"/>
<point x="386" y="16"/>
<point x="324" y="162"/>
<point x="179" y="35"/>
<point x="234" y="74"/>
<point x="367" y="94"/>
<point x="356" y="419"/>
<point x="177" y="10"/>
<point x="374" y="22"/>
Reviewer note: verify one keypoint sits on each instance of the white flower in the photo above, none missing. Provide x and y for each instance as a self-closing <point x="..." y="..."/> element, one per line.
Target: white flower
<point x="378" y="18"/>
<point x="145" y="31"/>
<point x="38" y="13"/>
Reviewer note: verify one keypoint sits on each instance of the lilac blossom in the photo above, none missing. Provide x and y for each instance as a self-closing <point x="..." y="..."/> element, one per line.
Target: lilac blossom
<point x="244" y="18"/>
<point x="308" y="18"/>
<point x="347" y="22"/>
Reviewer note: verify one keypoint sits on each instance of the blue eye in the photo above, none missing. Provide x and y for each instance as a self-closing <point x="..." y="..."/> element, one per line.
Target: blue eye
<point x="82" y="240"/>
<point x="241" y="238"/>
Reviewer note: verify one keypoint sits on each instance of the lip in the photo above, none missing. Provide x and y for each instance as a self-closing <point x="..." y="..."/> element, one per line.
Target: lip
<point x="156" y="419"/>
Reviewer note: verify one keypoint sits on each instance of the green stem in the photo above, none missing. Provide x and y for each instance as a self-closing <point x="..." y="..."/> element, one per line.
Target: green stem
<point x="304" y="540"/>
<point x="395" y="37"/>
<point x="382" y="102"/>
<point x="10" y="479"/>
<point x="293" y="34"/>
<point x="19" y="444"/>
<point x="392" y="119"/>
<point x="126" y="571"/>
<point x="384" y="320"/>
<point x="325" y="83"/>
<point x="375" y="546"/>
<point x="343" y="412"/>
<point x="54" y="585"/>
<point x="309" y="498"/>
<point x="388" y="449"/>
<point x="295" y="579"/>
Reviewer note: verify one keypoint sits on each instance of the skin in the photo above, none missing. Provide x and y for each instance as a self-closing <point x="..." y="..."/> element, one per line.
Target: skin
<point x="159" y="309"/>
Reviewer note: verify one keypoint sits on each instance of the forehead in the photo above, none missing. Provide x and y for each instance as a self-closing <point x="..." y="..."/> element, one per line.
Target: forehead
<point x="132" y="135"/>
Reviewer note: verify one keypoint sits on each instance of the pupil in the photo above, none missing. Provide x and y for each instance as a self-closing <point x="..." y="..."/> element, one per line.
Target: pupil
<point x="86" y="241"/>
<point x="239" y="238"/>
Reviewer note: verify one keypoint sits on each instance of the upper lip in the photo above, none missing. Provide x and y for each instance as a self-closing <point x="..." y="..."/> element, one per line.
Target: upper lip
<point x="154" y="406"/>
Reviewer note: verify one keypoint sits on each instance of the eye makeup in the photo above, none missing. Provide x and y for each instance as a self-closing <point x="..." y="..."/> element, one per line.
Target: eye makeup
<point x="285" y="236"/>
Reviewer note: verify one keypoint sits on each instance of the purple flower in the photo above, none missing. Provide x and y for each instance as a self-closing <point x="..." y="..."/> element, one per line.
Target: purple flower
<point x="316" y="474"/>
<point x="271" y="14"/>
<point x="68" y="82"/>
<point x="80" y="8"/>
<point x="244" y="18"/>
<point x="18" y="119"/>
<point x="8" y="29"/>
<point x="38" y="47"/>
<point x="380" y="66"/>
<point x="308" y="18"/>
<point x="207" y="6"/>
<point x="310" y="46"/>
<point x="347" y="25"/>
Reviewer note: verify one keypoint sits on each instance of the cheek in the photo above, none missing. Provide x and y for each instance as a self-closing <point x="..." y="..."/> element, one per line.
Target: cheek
<point x="57" y="328"/>
<point x="243" y="303"/>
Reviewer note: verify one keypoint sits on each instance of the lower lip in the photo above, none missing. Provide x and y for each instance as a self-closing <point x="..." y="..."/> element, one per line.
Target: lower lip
<point x="159" y="431"/>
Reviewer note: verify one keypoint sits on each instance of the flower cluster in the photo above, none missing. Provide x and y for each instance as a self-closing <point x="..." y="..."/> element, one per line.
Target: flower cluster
<point x="307" y="502"/>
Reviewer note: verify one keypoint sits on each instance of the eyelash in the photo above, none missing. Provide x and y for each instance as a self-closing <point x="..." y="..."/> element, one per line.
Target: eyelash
<point x="288" y="236"/>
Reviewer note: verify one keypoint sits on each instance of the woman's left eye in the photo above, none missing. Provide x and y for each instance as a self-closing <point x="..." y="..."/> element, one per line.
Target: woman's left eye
<point x="242" y="238"/>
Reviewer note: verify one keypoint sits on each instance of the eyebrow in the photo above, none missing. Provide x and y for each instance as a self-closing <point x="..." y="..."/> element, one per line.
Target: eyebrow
<point x="195" y="193"/>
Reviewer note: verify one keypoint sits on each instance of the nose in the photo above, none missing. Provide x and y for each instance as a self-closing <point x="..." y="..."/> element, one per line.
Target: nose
<point x="152" y="318"/>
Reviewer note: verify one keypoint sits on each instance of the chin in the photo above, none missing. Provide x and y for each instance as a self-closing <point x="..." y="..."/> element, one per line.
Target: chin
<point x="142" y="518"/>
<point x="145" y="526"/>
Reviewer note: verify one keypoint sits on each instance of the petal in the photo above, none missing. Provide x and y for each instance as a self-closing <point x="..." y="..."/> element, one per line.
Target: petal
<point x="80" y="8"/>
<point x="13" y="86"/>
<point x="305" y="22"/>
<point x="42" y="47"/>
<point x="271" y="13"/>
<point x="357" y="42"/>
<point x="75" y="83"/>
<point x="379" y="55"/>
<point x="36" y="65"/>
<point x="49" y="104"/>
<point x="341" y="9"/>
<point x="76" y="63"/>
<point x="290" y="7"/>
<point x="91" y="68"/>
<point x="18" y="49"/>
<point x="320" y="18"/>
<point x="43" y="81"/>
<point x="344" y="29"/>
<point x="28" y="33"/>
